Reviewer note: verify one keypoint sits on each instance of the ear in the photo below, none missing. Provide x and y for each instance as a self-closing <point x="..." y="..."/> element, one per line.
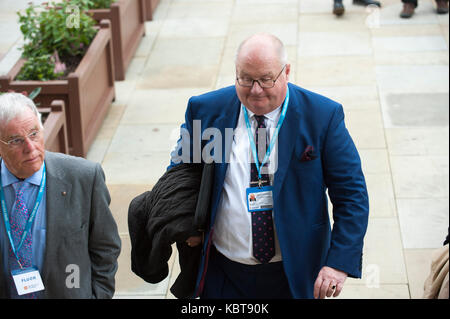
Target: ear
<point x="288" y="71"/>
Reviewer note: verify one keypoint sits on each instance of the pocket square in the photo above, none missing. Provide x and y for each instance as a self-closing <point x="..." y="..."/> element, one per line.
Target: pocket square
<point x="308" y="154"/>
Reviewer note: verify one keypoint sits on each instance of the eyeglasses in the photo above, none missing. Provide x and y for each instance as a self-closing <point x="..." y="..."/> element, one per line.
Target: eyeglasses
<point x="265" y="83"/>
<point x="19" y="141"/>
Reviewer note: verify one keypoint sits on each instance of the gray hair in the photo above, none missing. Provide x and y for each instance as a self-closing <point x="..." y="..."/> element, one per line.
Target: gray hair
<point x="278" y="44"/>
<point x="14" y="104"/>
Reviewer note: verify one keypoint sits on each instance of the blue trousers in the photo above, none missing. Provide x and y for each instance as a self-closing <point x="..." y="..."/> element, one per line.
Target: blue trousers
<point x="226" y="279"/>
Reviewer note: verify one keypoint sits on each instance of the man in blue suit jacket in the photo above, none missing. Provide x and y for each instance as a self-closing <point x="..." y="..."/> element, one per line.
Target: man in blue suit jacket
<point x="314" y="153"/>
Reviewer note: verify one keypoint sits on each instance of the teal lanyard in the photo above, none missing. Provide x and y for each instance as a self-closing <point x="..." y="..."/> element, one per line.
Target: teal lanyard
<point x="30" y="219"/>
<point x="272" y="141"/>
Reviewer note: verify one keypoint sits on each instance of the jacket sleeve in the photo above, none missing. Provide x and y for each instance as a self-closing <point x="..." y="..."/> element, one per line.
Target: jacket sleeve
<point x="104" y="240"/>
<point x="184" y="148"/>
<point x="348" y="194"/>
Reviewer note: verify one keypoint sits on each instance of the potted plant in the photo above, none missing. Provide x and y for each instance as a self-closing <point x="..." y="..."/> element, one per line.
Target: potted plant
<point x="54" y="121"/>
<point x="63" y="38"/>
<point x="127" y="26"/>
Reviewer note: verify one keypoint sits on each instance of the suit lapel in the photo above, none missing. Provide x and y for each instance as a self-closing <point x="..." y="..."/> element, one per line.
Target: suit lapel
<point x="57" y="192"/>
<point x="286" y="141"/>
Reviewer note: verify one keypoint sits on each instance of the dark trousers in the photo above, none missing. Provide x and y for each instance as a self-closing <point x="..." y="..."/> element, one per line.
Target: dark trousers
<point x="412" y="1"/>
<point x="226" y="279"/>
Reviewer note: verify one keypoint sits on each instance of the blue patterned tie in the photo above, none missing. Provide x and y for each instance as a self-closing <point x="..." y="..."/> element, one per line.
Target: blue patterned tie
<point x="262" y="223"/>
<point x="18" y="220"/>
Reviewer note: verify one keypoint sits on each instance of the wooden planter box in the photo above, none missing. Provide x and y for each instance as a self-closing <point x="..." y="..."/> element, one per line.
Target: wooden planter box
<point x="127" y="26"/>
<point x="150" y="7"/>
<point x="87" y="92"/>
<point x="55" y="128"/>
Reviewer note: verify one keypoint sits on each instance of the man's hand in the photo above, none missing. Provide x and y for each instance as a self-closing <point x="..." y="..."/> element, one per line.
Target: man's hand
<point x="329" y="280"/>
<point x="194" y="241"/>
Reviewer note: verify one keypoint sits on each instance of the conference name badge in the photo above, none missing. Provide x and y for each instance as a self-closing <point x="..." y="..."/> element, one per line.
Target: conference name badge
<point x="27" y="280"/>
<point x="259" y="198"/>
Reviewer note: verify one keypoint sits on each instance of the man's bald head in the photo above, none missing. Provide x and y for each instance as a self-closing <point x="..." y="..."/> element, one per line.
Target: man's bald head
<point x="262" y="45"/>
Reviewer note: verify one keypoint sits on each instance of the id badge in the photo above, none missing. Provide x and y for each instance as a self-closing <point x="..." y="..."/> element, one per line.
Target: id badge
<point x="27" y="280"/>
<point x="259" y="199"/>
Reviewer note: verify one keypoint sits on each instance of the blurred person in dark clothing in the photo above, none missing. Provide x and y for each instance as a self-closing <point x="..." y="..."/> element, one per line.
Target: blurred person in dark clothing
<point x="338" y="6"/>
<point x="410" y="5"/>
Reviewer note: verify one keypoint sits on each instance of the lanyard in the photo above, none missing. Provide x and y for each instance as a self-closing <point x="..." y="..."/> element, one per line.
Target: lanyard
<point x="272" y="141"/>
<point x="30" y="219"/>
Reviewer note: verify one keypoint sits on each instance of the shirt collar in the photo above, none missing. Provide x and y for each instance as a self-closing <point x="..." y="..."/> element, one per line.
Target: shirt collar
<point x="8" y="178"/>
<point x="272" y="116"/>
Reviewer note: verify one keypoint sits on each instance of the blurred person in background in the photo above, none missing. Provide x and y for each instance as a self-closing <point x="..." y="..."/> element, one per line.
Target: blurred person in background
<point x="339" y="9"/>
<point x="410" y="5"/>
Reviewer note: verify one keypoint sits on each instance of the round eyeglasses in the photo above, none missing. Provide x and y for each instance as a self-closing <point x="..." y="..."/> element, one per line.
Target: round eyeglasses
<point x="265" y="83"/>
<point x="20" y="140"/>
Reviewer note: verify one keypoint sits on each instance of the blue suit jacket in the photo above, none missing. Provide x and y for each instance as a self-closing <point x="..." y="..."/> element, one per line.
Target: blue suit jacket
<point x="300" y="201"/>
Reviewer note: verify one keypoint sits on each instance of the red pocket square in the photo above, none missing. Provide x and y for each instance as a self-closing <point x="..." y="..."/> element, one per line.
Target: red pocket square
<point x="308" y="154"/>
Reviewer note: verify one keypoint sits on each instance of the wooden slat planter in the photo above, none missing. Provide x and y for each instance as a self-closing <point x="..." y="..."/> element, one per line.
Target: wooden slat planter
<point x="55" y="128"/>
<point x="87" y="92"/>
<point x="150" y="7"/>
<point x="127" y="25"/>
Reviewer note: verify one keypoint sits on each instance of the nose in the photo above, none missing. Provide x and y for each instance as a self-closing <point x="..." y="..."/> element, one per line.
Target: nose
<point x="256" y="88"/>
<point x="28" y="145"/>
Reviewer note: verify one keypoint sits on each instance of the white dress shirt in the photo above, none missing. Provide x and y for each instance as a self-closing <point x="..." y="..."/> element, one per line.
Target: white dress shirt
<point x="232" y="228"/>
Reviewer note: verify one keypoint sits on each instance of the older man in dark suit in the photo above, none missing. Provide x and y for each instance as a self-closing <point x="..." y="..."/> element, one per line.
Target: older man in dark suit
<point x="281" y="246"/>
<point x="58" y="238"/>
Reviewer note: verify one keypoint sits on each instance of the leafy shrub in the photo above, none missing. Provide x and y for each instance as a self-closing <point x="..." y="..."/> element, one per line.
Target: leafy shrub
<point x="61" y="27"/>
<point x="39" y="68"/>
<point x="100" y="4"/>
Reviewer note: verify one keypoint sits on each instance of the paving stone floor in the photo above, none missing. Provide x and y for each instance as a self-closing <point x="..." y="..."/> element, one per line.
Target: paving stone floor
<point x="390" y="74"/>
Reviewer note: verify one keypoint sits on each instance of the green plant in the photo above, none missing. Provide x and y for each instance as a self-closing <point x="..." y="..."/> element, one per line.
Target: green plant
<point x="35" y="93"/>
<point x="61" y="26"/>
<point x="101" y="4"/>
<point x="93" y="4"/>
<point x="39" y="68"/>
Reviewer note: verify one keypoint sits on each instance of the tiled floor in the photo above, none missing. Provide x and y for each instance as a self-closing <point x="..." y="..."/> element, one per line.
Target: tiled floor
<point x="390" y="74"/>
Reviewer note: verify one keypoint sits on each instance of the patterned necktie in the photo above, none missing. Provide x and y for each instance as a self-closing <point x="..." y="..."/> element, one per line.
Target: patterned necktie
<point x="18" y="220"/>
<point x="262" y="223"/>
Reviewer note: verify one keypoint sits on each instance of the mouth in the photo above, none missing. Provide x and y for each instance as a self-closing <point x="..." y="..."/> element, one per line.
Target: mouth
<point x="31" y="160"/>
<point x="258" y="98"/>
